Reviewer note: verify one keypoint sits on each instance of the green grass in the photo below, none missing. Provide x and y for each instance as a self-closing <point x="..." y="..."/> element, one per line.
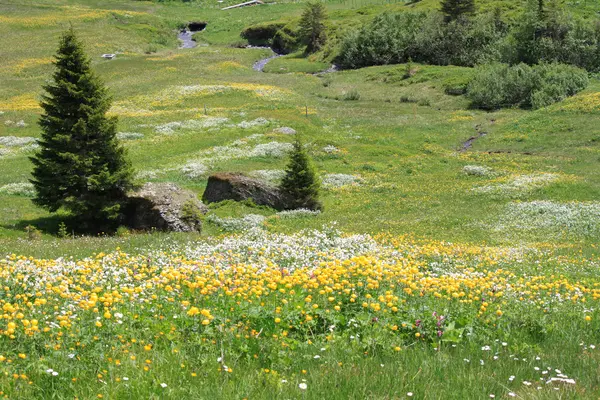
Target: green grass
<point x="403" y="138"/>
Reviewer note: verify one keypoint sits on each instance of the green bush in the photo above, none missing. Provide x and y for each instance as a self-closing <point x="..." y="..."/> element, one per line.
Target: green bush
<point x="422" y="37"/>
<point x="550" y="35"/>
<point x="500" y="85"/>
<point x="547" y="34"/>
<point x="558" y="81"/>
<point x="352" y="95"/>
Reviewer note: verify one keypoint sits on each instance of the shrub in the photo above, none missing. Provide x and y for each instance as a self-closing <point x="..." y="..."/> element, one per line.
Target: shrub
<point x="546" y="33"/>
<point x="191" y="213"/>
<point x="499" y="85"/>
<point x="62" y="231"/>
<point x="33" y="233"/>
<point x="422" y="37"/>
<point x="352" y="95"/>
<point x="300" y="185"/>
<point x="123" y="232"/>
<point x="557" y="82"/>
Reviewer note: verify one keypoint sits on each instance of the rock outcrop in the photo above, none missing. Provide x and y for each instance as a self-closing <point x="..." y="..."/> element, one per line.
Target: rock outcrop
<point x="239" y="187"/>
<point x="165" y="207"/>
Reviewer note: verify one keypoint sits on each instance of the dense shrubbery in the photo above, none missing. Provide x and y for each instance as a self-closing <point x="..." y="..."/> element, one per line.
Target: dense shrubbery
<point x="541" y="34"/>
<point x="500" y="85"/>
<point x="422" y="37"/>
<point x="551" y="35"/>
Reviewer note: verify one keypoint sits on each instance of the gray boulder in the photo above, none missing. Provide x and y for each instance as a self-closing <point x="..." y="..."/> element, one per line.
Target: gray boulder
<point x="165" y="207"/>
<point x="239" y="187"/>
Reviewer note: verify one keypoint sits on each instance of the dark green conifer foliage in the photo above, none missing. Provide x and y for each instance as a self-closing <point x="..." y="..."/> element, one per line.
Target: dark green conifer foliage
<point x="300" y="185"/>
<point x="457" y="9"/>
<point x="80" y="167"/>
<point x="312" y="26"/>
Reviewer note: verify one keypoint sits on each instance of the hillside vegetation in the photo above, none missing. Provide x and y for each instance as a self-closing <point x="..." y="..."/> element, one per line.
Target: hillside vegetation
<point x="455" y="255"/>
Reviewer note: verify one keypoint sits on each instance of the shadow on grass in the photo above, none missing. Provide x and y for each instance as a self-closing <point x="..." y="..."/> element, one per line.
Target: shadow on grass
<point x="49" y="225"/>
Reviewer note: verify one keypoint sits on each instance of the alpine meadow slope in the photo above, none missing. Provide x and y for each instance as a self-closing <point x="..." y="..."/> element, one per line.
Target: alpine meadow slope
<point x="455" y="254"/>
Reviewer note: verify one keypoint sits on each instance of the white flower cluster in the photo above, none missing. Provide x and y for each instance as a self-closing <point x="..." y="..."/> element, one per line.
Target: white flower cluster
<point x="148" y="174"/>
<point x="16" y="141"/>
<point x="129" y="135"/>
<point x="247" y="222"/>
<point x="299" y="213"/>
<point x="339" y="180"/>
<point x="330" y="149"/>
<point x="208" y="123"/>
<point x="477" y="170"/>
<point x="271" y="149"/>
<point x="194" y="170"/>
<point x="18" y="124"/>
<point x="258" y="247"/>
<point x="18" y="189"/>
<point x="269" y="175"/>
<point x="519" y="184"/>
<point x="253" y="124"/>
<point x="285" y="130"/>
<point x="553" y="218"/>
<point x="205" y="123"/>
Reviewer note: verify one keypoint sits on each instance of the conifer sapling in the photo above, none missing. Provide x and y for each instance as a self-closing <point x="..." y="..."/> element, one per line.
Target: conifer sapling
<point x="300" y="185"/>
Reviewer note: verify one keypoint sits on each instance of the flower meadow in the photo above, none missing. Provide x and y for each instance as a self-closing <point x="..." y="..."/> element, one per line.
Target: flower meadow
<point x="269" y="314"/>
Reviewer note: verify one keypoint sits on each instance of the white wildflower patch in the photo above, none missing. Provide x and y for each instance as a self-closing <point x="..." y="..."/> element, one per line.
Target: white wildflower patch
<point x="339" y="180"/>
<point x="271" y="149"/>
<point x="268" y="175"/>
<point x="194" y="170"/>
<point x="253" y="124"/>
<point x="25" y="189"/>
<point x="551" y="218"/>
<point x="519" y="184"/>
<point x="477" y="170"/>
<point x="170" y="128"/>
<point x="242" y="149"/>
<point x="17" y="141"/>
<point x="285" y="130"/>
<point x="299" y="213"/>
<point x="247" y="222"/>
<point x="148" y="174"/>
<point x="330" y="149"/>
<point x="129" y="135"/>
<point x="17" y="124"/>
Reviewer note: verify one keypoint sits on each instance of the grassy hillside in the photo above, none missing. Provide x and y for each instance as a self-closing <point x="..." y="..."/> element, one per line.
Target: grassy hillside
<point x="490" y="219"/>
<point x="401" y="139"/>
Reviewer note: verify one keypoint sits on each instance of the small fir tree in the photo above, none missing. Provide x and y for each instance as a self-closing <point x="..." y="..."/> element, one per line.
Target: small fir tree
<point x="80" y="167"/>
<point x="300" y="185"/>
<point x="457" y="9"/>
<point x="312" y="26"/>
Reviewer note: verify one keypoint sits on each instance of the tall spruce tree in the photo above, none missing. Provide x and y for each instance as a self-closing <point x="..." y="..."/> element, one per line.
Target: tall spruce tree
<point x="300" y="185"/>
<point x="457" y="9"/>
<point x="312" y="26"/>
<point x="80" y="167"/>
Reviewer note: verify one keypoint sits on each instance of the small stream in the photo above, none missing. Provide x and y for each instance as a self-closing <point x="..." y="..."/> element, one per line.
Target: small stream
<point x="186" y="39"/>
<point x="260" y="65"/>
